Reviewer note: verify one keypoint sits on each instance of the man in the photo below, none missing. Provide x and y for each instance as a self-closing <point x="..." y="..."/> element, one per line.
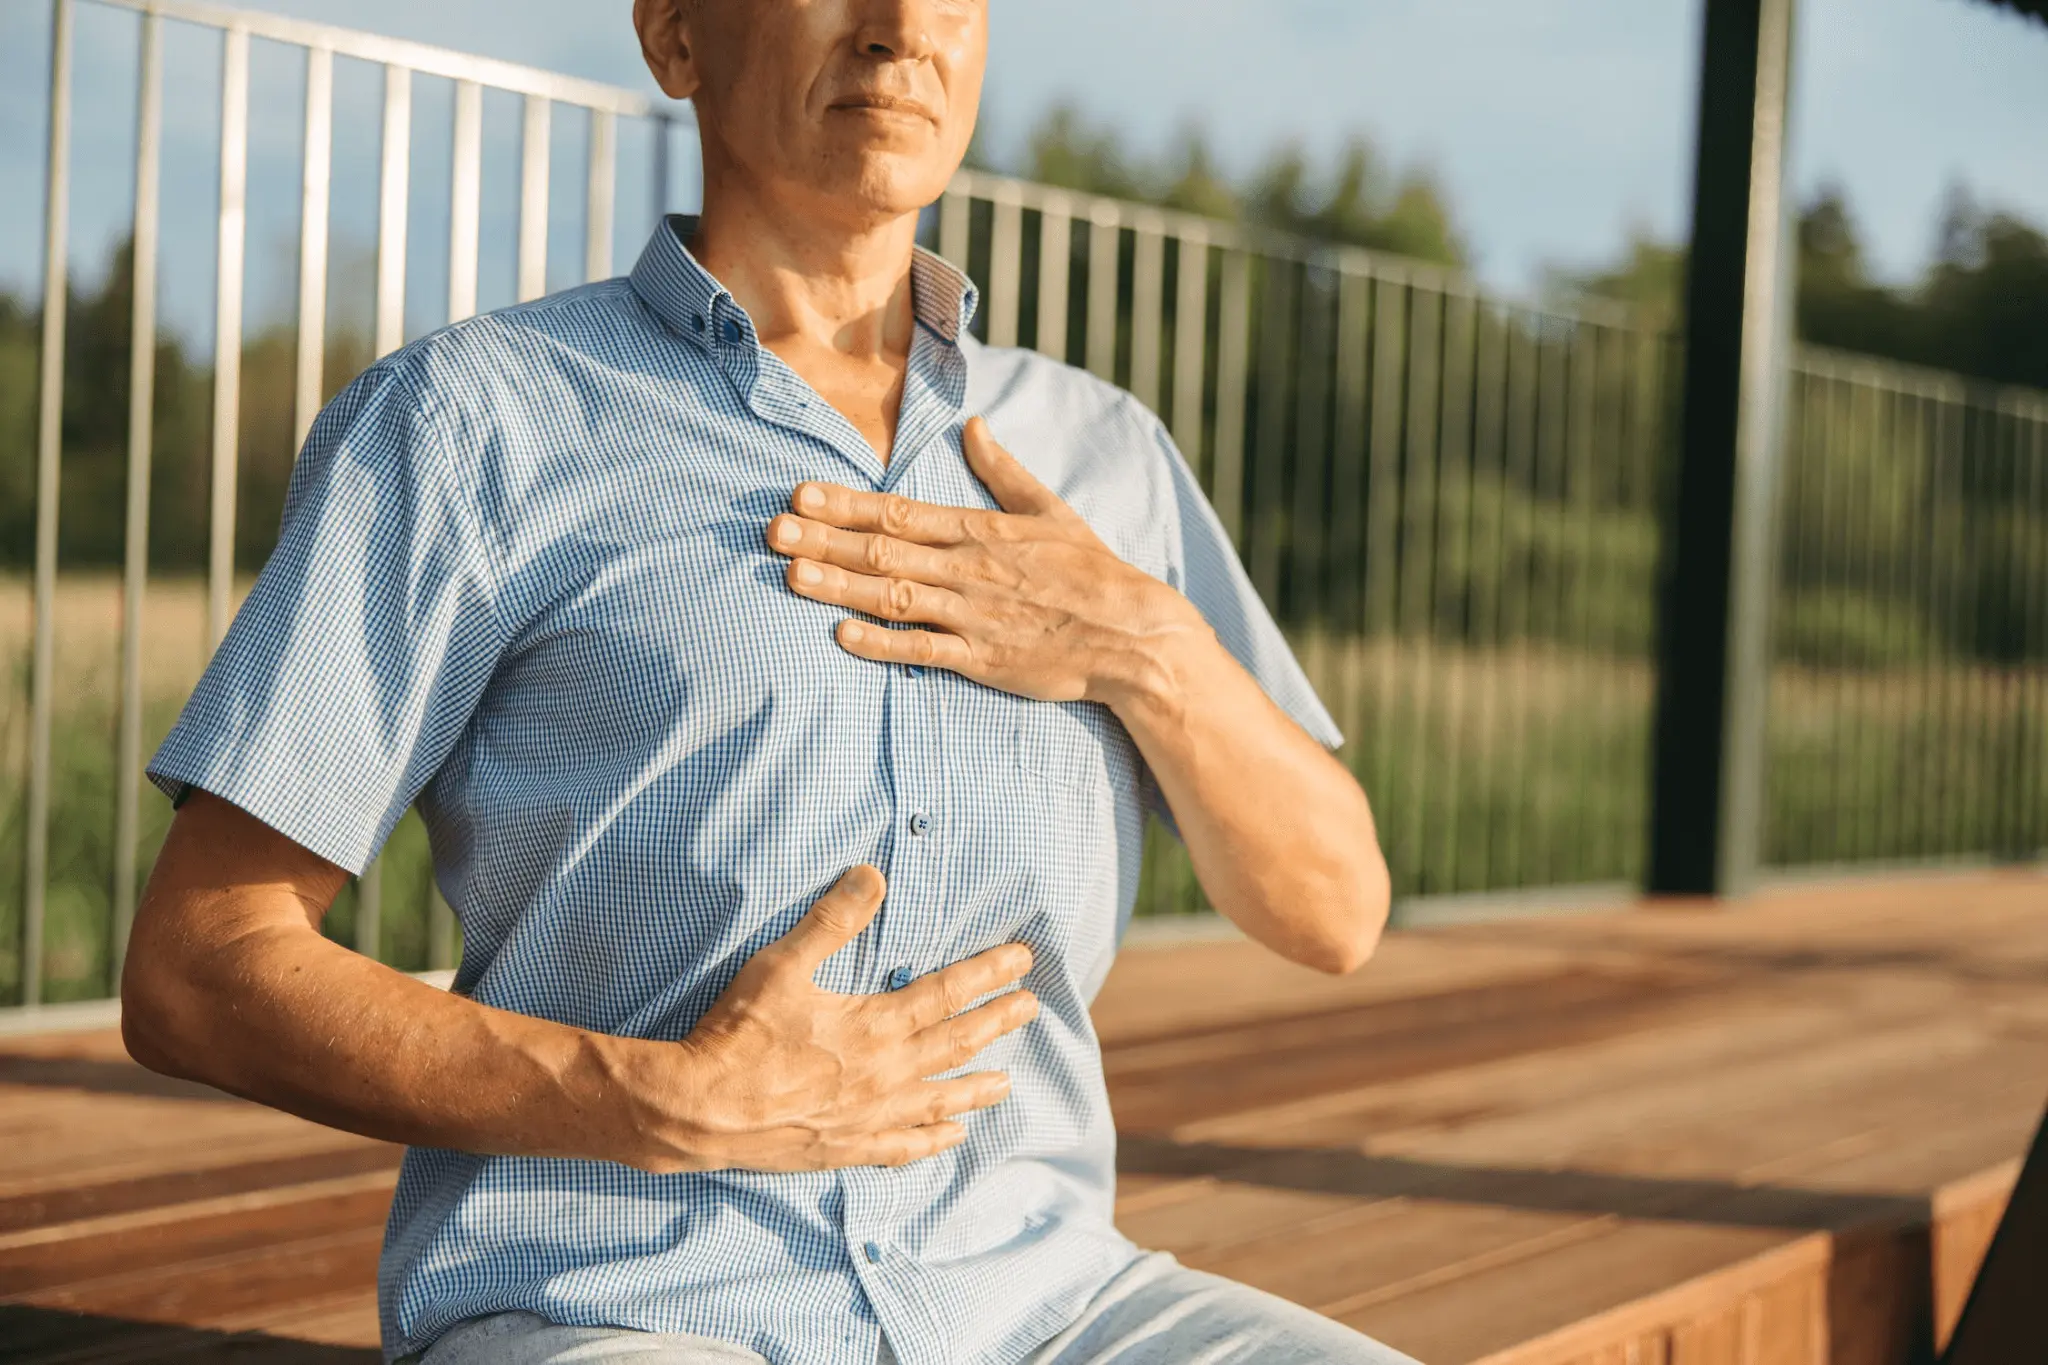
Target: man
<point x="601" y="583"/>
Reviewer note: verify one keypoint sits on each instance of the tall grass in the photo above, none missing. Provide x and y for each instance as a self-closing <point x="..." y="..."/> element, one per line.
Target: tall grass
<point x="79" y="897"/>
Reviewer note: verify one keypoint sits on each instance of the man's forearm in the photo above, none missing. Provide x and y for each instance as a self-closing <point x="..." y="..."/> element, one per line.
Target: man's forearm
<point x="229" y="982"/>
<point x="281" y="1015"/>
<point x="1281" y="836"/>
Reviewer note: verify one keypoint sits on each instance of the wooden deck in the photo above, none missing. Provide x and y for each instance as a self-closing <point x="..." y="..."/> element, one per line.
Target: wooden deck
<point x="1773" y="1135"/>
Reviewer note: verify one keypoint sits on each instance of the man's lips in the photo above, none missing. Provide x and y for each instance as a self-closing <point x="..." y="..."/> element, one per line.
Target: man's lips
<point x="886" y="104"/>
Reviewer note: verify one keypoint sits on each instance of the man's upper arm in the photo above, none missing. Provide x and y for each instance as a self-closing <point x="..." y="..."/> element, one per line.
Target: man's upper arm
<point x="354" y="666"/>
<point x="215" y="849"/>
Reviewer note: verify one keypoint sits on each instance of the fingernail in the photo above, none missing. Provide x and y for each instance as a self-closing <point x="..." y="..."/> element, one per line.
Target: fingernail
<point x="855" y="631"/>
<point x="809" y="574"/>
<point x="810" y="498"/>
<point x="999" y="1087"/>
<point x="787" y="533"/>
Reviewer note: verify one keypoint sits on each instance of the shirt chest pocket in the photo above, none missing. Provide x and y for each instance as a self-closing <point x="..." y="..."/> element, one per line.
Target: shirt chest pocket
<point x="1079" y="749"/>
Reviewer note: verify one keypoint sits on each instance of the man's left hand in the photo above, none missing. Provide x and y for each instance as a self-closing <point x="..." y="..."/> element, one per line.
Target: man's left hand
<point x="1027" y="599"/>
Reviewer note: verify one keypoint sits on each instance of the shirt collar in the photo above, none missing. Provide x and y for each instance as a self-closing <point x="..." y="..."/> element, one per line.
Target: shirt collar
<point x="683" y="293"/>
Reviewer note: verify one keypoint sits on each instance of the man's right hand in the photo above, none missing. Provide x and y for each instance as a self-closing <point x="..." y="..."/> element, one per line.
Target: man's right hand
<point x="780" y="1075"/>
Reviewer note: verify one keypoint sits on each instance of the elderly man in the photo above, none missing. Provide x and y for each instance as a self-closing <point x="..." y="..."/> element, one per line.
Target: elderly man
<point x="681" y="602"/>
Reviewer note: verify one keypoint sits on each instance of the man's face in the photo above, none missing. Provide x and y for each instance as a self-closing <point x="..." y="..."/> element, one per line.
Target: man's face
<point x="866" y="105"/>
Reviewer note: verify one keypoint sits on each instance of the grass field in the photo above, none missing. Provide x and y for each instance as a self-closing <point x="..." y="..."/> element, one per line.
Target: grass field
<point x="1489" y="770"/>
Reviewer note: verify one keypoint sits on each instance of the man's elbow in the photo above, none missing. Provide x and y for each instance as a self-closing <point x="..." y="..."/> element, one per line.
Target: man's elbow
<point x="155" y="1005"/>
<point x="1353" y="936"/>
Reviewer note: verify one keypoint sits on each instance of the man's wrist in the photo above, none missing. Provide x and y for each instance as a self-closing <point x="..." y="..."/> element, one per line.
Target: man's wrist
<point x="1156" y="677"/>
<point x="645" y="1096"/>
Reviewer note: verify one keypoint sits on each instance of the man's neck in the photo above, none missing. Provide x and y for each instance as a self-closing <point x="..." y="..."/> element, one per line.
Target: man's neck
<point x="810" y="283"/>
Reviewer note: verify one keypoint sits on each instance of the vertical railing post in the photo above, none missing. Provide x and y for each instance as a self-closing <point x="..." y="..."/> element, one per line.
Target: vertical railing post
<point x="1105" y="269"/>
<point x="956" y="223"/>
<point x="227" y="330"/>
<point x="1055" y="262"/>
<point x="600" y="195"/>
<point x="135" y="538"/>
<point x="49" y="447"/>
<point x="315" y="176"/>
<point x="465" y="199"/>
<point x="1005" y="265"/>
<point x="394" y="199"/>
<point x="533" y="198"/>
<point x="1190" y="341"/>
<point x="1714" y="632"/>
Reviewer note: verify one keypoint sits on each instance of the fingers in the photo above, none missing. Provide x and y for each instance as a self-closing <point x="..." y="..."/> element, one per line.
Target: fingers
<point x="923" y="648"/>
<point x="939" y="1101"/>
<point x="880" y="555"/>
<point x="954" y="1042"/>
<point x="904" y="1145"/>
<point x="891" y="599"/>
<point x="836" y="919"/>
<point x="883" y="513"/>
<point x="943" y="994"/>
<point x="1016" y="488"/>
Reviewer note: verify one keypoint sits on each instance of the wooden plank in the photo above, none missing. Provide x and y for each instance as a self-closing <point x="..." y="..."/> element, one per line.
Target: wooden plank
<point x="103" y="1199"/>
<point x="88" y="1252"/>
<point x="1182" y="1080"/>
<point x="1214" y="1216"/>
<point x="1966" y="1217"/>
<point x="1588" y="1295"/>
<point x="1389" y="1250"/>
<point x="227" y="1288"/>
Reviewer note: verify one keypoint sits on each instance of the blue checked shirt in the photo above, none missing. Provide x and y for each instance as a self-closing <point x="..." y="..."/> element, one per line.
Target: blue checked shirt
<point x="522" y="582"/>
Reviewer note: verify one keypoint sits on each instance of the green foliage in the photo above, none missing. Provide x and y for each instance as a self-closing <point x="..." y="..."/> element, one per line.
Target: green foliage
<point x="1846" y="628"/>
<point x="1360" y="201"/>
<point x="1977" y="310"/>
<point x="93" y="478"/>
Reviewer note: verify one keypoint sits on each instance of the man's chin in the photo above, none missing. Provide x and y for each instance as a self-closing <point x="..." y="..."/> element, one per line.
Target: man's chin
<point x="885" y="185"/>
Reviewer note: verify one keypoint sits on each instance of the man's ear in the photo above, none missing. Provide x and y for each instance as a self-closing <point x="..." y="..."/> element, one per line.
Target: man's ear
<point x="665" y="44"/>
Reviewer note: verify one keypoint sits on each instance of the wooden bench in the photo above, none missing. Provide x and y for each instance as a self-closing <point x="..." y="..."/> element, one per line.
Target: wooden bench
<point x="1778" y="1134"/>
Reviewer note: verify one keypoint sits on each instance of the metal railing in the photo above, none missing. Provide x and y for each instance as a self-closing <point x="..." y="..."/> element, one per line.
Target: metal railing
<point x="1454" y="505"/>
<point x="1449" y="501"/>
<point x="1909" y="716"/>
<point x="1452" y="502"/>
<point x="400" y="63"/>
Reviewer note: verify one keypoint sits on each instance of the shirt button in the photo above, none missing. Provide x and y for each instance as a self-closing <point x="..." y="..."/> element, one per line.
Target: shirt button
<point x="697" y="321"/>
<point x="913" y="670"/>
<point x="731" y="332"/>
<point x="874" y="1251"/>
<point x="900" y="978"/>
<point x="920" y="824"/>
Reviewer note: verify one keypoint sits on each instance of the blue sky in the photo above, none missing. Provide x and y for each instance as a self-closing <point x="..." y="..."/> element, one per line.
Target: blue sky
<point x="1556" y="128"/>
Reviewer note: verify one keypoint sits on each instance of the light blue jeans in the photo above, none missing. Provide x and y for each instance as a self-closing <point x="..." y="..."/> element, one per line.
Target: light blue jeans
<point x="1158" y="1312"/>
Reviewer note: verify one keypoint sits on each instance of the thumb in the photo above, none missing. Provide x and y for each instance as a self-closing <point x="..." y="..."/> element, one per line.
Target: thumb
<point x="836" y="918"/>
<point x="1017" y="489"/>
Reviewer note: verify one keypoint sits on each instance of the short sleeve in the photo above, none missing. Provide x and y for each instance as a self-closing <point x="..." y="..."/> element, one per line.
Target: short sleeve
<point x="1205" y="568"/>
<point x="352" y="669"/>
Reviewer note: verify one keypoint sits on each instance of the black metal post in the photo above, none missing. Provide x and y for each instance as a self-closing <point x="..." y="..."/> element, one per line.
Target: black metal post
<point x="1720" y="526"/>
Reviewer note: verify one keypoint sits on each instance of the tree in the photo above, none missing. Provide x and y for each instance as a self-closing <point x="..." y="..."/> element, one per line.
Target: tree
<point x="1358" y="203"/>
<point x="1978" y="308"/>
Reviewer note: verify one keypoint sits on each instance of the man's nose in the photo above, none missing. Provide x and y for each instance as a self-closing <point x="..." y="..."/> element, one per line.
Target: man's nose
<point x="895" y="30"/>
